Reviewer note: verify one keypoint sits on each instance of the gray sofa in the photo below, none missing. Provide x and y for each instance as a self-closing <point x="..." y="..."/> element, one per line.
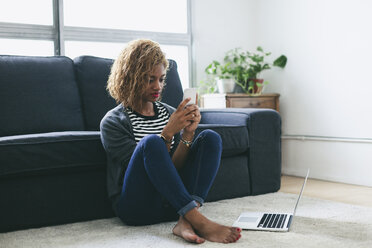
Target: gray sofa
<point x="53" y="166"/>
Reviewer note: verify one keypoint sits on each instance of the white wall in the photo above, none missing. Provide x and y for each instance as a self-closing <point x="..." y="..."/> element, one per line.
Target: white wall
<point x="327" y="84"/>
<point x="218" y="26"/>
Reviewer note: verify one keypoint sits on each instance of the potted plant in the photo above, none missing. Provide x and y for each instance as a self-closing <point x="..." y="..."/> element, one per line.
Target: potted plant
<point x="222" y="75"/>
<point x="246" y="67"/>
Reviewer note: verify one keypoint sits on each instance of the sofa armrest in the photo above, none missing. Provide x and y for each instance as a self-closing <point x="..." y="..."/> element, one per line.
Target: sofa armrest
<point x="264" y="133"/>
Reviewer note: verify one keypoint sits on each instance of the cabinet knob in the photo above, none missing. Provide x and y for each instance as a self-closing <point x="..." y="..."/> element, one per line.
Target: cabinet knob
<point x="254" y="104"/>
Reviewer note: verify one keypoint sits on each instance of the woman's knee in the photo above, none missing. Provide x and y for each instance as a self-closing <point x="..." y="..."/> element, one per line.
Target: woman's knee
<point x="152" y="140"/>
<point x="211" y="136"/>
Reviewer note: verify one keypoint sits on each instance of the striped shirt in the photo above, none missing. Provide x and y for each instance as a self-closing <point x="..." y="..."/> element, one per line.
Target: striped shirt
<point x="145" y="125"/>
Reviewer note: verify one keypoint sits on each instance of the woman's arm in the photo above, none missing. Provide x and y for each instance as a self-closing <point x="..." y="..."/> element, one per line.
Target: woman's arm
<point x="180" y="154"/>
<point x="117" y="137"/>
<point x="186" y="119"/>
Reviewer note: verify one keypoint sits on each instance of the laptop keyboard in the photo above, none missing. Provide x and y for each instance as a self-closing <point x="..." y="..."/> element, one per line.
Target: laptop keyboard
<point x="272" y="221"/>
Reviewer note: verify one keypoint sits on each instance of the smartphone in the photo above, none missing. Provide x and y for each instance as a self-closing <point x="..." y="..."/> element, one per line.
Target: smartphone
<point x="192" y="93"/>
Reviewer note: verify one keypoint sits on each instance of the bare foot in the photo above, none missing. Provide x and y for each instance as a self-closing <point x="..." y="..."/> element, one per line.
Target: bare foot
<point x="210" y="230"/>
<point x="184" y="230"/>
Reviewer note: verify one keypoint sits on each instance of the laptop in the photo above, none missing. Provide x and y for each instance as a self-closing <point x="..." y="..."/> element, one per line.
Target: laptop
<point x="264" y="221"/>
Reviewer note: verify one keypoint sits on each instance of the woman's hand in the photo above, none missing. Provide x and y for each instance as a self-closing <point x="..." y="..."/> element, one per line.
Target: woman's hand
<point x="185" y="117"/>
<point x="194" y="119"/>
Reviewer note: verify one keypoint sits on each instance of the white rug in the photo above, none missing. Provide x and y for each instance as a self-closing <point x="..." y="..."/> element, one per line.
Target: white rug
<point x="318" y="223"/>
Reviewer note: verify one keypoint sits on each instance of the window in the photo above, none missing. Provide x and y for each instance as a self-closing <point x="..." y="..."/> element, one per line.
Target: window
<point x="97" y="28"/>
<point x="19" y="11"/>
<point x="178" y="54"/>
<point x="154" y="16"/>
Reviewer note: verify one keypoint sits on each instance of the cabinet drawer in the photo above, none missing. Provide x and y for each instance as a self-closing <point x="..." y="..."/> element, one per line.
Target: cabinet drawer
<point x="252" y="103"/>
<point x="236" y="100"/>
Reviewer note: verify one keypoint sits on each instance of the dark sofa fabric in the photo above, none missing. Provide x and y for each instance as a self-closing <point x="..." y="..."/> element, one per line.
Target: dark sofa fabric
<point x="264" y="135"/>
<point x="232" y="180"/>
<point x="37" y="95"/>
<point x="234" y="138"/>
<point x="49" y="151"/>
<point x="52" y="178"/>
<point x="91" y="74"/>
<point x="52" y="163"/>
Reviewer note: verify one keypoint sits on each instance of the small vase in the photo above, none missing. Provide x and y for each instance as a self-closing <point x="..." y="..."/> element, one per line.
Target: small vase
<point x="225" y="85"/>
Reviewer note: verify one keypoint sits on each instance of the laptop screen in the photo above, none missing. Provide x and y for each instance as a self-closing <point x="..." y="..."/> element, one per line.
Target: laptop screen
<point x="302" y="190"/>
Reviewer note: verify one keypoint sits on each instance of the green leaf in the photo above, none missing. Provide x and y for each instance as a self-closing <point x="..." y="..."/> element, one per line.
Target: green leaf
<point x="257" y="59"/>
<point x="281" y="61"/>
<point x="259" y="49"/>
<point x="265" y="67"/>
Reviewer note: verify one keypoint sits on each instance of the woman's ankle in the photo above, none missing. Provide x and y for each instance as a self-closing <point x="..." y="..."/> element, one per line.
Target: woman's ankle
<point x="195" y="218"/>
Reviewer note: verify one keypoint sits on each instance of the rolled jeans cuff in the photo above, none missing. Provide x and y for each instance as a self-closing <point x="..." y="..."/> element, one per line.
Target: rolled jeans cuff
<point x="198" y="199"/>
<point x="187" y="208"/>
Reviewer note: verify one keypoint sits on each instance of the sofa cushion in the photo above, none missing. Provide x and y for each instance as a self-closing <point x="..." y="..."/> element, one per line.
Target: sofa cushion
<point x="37" y="95"/>
<point x="46" y="152"/>
<point x="92" y="74"/>
<point x="234" y="138"/>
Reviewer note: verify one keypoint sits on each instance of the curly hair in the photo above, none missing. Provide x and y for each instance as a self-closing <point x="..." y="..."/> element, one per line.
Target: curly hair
<point x="131" y="71"/>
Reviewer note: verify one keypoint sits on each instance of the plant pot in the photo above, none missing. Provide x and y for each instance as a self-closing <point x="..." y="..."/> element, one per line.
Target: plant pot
<point x="238" y="89"/>
<point x="225" y="85"/>
<point x="257" y="90"/>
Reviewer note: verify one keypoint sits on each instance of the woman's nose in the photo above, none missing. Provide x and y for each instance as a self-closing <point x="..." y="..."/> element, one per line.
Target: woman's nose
<point x="157" y="84"/>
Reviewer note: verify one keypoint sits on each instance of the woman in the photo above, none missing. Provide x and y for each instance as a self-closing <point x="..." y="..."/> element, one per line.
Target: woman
<point x="157" y="170"/>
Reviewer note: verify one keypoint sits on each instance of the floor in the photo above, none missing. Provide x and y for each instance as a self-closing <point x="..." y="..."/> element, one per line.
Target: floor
<point x="346" y="193"/>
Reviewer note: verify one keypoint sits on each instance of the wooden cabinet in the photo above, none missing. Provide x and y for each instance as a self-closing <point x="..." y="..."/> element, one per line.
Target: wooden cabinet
<point x="245" y="101"/>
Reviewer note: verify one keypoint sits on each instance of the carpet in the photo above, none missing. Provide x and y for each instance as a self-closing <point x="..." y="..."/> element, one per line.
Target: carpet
<point x="318" y="223"/>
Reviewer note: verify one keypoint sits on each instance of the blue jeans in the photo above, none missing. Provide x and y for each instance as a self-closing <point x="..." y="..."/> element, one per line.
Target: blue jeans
<point x="154" y="191"/>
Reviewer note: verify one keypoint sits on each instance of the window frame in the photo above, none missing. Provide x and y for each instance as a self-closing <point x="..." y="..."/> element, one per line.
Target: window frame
<point x="58" y="33"/>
